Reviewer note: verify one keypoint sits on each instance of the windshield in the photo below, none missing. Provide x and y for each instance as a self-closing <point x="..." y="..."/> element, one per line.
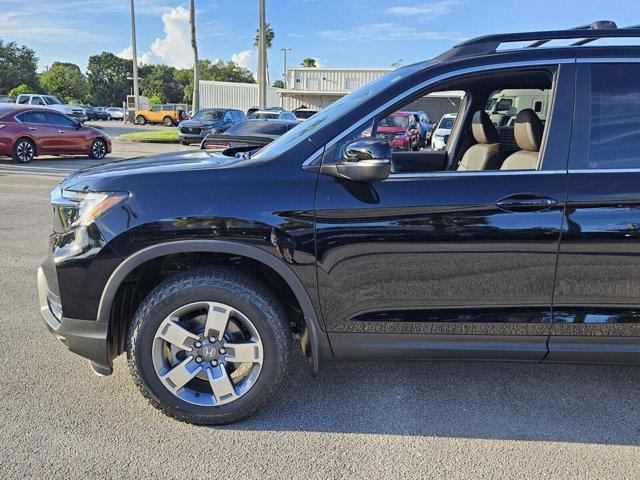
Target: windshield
<point x="447" y="123"/>
<point x="334" y="111"/>
<point x="208" y="115"/>
<point x="52" y="101"/>
<point x="263" y="115"/>
<point x="304" y="114"/>
<point x="252" y="127"/>
<point x="395" y="121"/>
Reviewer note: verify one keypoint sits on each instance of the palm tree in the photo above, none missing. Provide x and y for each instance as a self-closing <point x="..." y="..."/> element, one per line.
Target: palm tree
<point x="269" y="35"/>
<point x="309" y="62"/>
<point x="196" y="67"/>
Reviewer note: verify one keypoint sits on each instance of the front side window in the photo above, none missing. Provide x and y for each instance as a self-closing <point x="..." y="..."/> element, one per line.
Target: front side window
<point x="615" y="116"/>
<point x="60" y="120"/>
<point x="155" y="108"/>
<point x="52" y="101"/>
<point x="37" y="101"/>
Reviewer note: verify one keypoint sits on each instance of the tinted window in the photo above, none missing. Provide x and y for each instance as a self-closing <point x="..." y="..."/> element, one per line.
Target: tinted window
<point x="615" y="116"/>
<point x="60" y="120"/>
<point x="208" y="115"/>
<point x="23" y="99"/>
<point x="33" y="117"/>
<point x="37" y="101"/>
<point x="259" y="127"/>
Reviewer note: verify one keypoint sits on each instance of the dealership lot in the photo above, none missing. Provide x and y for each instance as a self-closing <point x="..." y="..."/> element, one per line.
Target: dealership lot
<point x="355" y="420"/>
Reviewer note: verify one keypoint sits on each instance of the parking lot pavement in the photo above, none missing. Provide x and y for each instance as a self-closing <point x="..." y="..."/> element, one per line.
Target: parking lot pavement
<point x="114" y="128"/>
<point x="355" y="420"/>
<point x="61" y="166"/>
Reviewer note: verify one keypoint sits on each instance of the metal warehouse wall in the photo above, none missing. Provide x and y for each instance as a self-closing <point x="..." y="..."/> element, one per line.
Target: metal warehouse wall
<point x="435" y="107"/>
<point x="234" y="95"/>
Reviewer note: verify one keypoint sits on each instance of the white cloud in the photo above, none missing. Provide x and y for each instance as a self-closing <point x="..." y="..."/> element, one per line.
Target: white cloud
<point x="386" y="31"/>
<point x="175" y="48"/>
<point x="126" y="53"/>
<point x="245" y="59"/>
<point x="426" y="9"/>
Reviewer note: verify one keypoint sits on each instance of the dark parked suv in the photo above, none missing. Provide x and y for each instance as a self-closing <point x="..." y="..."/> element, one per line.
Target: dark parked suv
<point x="206" y="268"/>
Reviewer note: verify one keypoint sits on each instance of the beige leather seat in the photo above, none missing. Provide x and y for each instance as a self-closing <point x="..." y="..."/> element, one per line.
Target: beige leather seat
<point x="487" y="153"/>
<point x="528" y="132"/>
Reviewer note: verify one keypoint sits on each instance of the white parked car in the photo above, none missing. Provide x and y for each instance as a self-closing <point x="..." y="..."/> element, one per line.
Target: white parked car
<point x="52" y="103"/>
<point x="303" y="114"/>
<point x="442" y="131"/>
<point x="115" y="113"/>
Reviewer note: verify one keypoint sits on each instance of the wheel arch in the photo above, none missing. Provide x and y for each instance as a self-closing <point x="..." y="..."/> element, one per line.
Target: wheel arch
<point x="26" y="137"/>
<point x="314" y="341"/>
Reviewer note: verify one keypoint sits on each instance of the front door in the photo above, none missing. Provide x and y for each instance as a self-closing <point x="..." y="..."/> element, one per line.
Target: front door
<point x="459" y="261"/>
<point x="71" y="140"/>
<point x="38" y="128"/>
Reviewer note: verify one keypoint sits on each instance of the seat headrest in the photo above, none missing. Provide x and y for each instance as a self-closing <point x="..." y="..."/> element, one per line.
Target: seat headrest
<point x="483" y="129"/>
<point x="528" y="130"/>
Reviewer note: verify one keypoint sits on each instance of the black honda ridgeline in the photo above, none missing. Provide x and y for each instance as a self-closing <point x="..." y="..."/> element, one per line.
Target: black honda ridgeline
<point x="520" y="241"/>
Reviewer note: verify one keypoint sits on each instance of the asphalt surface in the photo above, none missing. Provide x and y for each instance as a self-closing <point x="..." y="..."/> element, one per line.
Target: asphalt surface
<point x="355" y="420"/>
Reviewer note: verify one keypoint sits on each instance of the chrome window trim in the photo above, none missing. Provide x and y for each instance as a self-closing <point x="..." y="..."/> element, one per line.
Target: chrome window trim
<point x="608" y="60"/>
<point x="479" y="173"/>
<point x="605" y="170"/>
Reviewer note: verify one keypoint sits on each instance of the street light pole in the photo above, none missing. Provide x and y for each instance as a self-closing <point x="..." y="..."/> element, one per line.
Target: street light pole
<point x="135" y="57"/>
<point x="284" y="52"/>
<point x="262" y="54"/>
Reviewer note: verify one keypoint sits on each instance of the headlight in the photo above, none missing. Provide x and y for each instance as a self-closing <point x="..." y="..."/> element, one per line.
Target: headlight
<point x="79" y="209"/>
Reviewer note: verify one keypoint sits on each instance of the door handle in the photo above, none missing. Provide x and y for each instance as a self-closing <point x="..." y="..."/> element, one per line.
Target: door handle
<point x="62" y="131"/>
<point x="31" y="128"/>
<point x="525" y="202"/>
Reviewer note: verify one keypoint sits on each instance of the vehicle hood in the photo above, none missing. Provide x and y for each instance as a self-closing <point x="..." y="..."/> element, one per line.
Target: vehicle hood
<point x="442" y="132"/>
<point x="393" y="130"/>
<point x="199" y="124"/>
<point x="161" y="164"/>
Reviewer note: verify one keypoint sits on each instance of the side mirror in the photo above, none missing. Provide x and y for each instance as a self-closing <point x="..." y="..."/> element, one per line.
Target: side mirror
<point x="365" y="160"/>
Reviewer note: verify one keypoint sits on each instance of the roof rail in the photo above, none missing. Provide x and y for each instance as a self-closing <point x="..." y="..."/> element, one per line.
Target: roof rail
<point x="586" y="33"/>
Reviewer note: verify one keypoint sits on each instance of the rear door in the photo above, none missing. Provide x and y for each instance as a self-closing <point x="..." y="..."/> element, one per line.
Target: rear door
<point x="38" y="127"/>
<point x="597" y="293"/>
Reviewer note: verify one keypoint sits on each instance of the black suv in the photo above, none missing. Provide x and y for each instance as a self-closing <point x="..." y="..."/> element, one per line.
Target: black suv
<point x="205" y="267"/>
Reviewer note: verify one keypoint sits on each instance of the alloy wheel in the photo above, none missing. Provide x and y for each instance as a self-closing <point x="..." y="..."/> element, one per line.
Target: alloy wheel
<point x="25" y="151"/>
<point x="99" y="149"/>
<point x="207" y="353"/>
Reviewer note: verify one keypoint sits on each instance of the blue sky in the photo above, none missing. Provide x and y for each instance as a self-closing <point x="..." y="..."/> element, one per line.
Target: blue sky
<point x="338" y="33"/>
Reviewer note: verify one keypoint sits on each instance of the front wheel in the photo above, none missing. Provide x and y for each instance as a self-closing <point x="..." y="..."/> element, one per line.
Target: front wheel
<point x="167" y="122"/>
<point x="23" y="151"/>
<point x="141" y="120"/>
<point x="98" y="149"/>
<point x="209" y="346"/>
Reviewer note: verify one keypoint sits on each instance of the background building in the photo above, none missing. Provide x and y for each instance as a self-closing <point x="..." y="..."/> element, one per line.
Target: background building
<point x="319" y="87"/>
<point x="241" y="96"/>
<point x="316" y="88"/>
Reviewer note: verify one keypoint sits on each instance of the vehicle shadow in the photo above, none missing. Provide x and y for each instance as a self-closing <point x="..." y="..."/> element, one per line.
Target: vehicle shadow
<point x="514" y="401"/>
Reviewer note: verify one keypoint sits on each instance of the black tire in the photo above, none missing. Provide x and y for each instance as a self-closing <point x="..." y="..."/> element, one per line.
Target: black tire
<point x="98" y="149"/>
<point x="108" y="118"/>
<point x="167" y="121"/>
<point x="184" y="143"/>
<point x="141" y="120"/>
<point x="220" y="284"/>
<point x="24" y="150"/>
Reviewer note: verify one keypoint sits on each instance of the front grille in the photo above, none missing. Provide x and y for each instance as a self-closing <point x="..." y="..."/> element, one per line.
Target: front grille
<point x="191" y="130"/>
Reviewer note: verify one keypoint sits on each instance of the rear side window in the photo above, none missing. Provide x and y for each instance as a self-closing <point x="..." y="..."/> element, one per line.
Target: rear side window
<point x="33" y="117"/>
<point x="23" y="100"/>
<point x="615" y="116"/>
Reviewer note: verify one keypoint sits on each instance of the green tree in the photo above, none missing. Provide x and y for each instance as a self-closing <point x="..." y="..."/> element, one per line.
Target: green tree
<point x="107" y="76"/>
<point x="278" y="84"/>
<point x="18" y="65"/>
<point x="19" y="90"/>
<point x="269" y="35"/>
<point x="155" y="99"/>
<point x="161" y="81"/>
<point x="66" y="81"/>
<point x="309" y="62"/>
<point x="220" y="71"/>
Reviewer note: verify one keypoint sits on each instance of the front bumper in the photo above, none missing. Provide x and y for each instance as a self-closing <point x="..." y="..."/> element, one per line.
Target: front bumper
<point x="193" y="138"/>
<point x="87" y="338"/>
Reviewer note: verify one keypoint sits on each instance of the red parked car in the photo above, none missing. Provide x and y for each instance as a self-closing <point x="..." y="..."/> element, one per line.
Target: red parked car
<point x="399" y="130"/>
<point x="28" y="132"/>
